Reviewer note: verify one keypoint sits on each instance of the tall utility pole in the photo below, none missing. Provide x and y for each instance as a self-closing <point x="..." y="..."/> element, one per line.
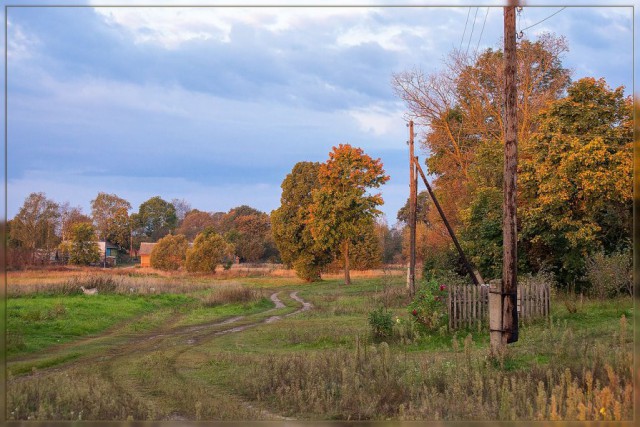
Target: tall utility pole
<point x="413" y="201"/>
<point x="509" y="221"/>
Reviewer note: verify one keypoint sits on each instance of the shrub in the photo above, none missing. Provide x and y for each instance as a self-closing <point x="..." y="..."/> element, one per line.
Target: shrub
<point x="83" y="249"/>
<point x="307" y="268"/>
<point x="610" y="275"/>
<point x="233" y="293"/>
<point x="209" y="249"/>
<point x="381" y="323"/>
<point x="429" y="306"/>
<point x="169" y="253"/>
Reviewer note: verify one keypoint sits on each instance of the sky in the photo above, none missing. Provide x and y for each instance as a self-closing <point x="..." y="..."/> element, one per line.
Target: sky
<point x="216" y="105"/>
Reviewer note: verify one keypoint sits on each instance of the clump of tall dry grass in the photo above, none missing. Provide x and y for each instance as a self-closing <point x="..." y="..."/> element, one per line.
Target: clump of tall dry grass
<point x="78" y="394"/>
<point x="88" y="394"/>
<point x="132" y="283"/>
<point x="231" y="293"/>
<point x="374" y="382"/>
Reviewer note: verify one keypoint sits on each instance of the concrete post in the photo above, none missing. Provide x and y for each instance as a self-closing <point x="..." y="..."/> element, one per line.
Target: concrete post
<point x="497" y="345"/>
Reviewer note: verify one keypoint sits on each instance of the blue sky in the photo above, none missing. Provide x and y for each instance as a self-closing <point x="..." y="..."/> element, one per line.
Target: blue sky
<point x="216" y="105"/>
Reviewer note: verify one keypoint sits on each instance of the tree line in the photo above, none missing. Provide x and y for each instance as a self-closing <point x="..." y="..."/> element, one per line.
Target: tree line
<point x="44" y="230"/>
<point x="327" y="221"/>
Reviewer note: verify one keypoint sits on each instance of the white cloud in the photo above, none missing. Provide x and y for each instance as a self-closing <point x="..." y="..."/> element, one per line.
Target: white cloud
<point x="390" y="37"/>
<point x="378" y="120"/>
<point x="168" y="27"/>
<point x="20" y="44"/>
<point x="171" y="27"/>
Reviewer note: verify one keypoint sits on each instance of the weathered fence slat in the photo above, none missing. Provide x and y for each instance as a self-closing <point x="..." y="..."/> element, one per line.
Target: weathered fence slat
<point x="469" y="304"/>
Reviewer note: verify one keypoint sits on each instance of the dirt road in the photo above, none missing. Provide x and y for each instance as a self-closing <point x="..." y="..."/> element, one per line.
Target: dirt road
<point x="152" y="368"/>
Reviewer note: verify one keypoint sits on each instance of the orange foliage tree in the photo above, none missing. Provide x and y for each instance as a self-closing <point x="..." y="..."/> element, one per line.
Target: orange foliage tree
<point x="341" y="207"/>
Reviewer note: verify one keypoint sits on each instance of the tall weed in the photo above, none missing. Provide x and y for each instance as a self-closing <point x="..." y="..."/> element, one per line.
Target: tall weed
<point x="610" y="275"/>
<point x="593" y="382"/>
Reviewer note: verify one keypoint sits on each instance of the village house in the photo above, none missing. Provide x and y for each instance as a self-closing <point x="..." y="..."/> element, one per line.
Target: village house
<point x="145" y="254"/>
<point x="111" y="253"/>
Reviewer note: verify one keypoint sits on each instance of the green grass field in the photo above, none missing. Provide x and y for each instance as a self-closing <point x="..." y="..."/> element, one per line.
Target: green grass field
<point x="37" y="322"/>
<point x="220" y="350"/>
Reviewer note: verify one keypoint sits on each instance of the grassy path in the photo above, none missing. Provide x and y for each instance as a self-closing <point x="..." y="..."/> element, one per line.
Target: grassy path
<point x="150" y="367"/>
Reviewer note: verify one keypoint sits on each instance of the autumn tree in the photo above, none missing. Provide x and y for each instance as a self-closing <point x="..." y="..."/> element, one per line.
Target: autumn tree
<point x="83" y="249"/>
<point x="110" y="215"/>
<point x="390" y="241"/>
<point x="182" y="207"/>
<point x="365" y="249"/>
<point x="461" y="105"/>
<point x="70" y="216"/>
<point x="423" y="222"/>
<point x="481" y="238"/>
<point x="155" y="218"/>
<point x="227" y="221"/>
<point x="291" y="230"/>
<point x="423" y="206"/>
<point x="195" y="222"/>
<point x="209" y="249"/>
<point x="34" y="227"/>
<point x="249" y="230"/>
<point x="170" y="252"/>
<point x="576" y="178"/>
<point x="460" y="108"/>
<point x="249" y="236"/>
<point x="342" y="207"/>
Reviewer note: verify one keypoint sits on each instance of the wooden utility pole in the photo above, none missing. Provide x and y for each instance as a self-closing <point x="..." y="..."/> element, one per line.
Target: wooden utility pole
<point x="509" y="221"/>
<point x="413" y="201"/>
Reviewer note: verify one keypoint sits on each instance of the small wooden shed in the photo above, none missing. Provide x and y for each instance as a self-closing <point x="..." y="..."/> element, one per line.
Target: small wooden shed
<point x="145" y="254"/>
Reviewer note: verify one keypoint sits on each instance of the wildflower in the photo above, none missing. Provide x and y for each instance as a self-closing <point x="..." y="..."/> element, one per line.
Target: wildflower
<point x="414" y="312"/>
<point x="603" y="411"/>
<point x="443" y="287"/>
<point x="397" y="320"/>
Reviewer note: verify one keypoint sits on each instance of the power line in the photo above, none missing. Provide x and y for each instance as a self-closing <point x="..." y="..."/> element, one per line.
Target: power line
<point x="540" y="22"/>
<point x="482" y="31"/>
<point x="472" y="28"/>
<point x="465" y="28"/>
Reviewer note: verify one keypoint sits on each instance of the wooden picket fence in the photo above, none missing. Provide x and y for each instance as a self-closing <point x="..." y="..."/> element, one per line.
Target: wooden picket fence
<point x="469" y="304"/>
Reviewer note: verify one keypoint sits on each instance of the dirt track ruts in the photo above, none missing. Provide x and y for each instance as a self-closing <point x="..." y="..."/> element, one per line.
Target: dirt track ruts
<point x="176" y="341"/>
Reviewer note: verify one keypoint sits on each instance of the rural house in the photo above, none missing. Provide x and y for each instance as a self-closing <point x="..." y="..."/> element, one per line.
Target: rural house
<point x="145" y="254"/>
<point x="111" y="252"/>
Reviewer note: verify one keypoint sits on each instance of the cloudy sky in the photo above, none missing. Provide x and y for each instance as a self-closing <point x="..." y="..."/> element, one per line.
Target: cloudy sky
<point x="216" y="105"/>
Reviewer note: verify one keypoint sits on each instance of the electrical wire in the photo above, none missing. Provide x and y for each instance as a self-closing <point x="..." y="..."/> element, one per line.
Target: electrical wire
<point x="472" y="28"/>
<point x="540" y="22"/>
<point x="465" y="29"/>
<point x="482" y="31"/>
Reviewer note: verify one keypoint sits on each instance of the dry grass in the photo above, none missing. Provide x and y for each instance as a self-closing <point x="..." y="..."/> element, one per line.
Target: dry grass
<point x="231" y="293"/>
<point x="67" y="280"/>
<point x="374" y="382"/>
<point x="360" y="274"/>
<point x="110" y="281"/>
<point x="89" y="394"/>
<point x="78" y="394"/>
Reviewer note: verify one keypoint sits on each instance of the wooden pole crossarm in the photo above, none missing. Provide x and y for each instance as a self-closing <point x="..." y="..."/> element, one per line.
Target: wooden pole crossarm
<point x="473" y="273"/>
